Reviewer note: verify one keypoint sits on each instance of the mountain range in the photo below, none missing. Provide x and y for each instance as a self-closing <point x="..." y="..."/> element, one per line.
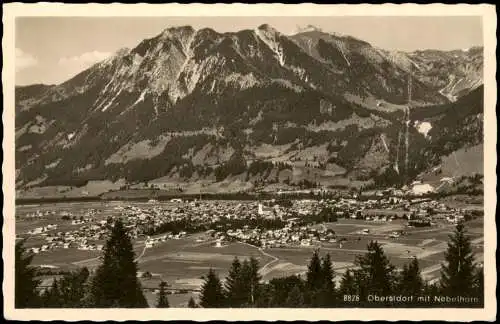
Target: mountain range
<point x="252" y="108"/>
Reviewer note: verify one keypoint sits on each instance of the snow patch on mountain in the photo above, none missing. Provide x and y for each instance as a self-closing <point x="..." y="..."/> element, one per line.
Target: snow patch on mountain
<point x="71" y="138"/>
<point x="53" y="164"/>
<point x="383" y="139"/>
<point x="141" y="97"/>
<point x="85" y="168"/>
<point x="421" y="188"/>
<point x="110" y="102"/>
<point x="423" y="127"/>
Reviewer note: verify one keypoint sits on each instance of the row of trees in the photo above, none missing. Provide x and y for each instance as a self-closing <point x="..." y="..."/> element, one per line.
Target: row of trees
<point x="373" y="275"/>
<point x="241" y="287"/>
<point x="223" y="224"/>
<point x="114" y="284"/>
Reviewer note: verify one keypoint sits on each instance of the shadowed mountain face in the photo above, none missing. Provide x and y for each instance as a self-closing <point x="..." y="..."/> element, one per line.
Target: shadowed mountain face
<point x="193" y="104"/>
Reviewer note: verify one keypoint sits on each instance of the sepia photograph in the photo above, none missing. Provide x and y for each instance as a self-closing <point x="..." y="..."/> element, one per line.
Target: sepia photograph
<point x="278" y="158"/>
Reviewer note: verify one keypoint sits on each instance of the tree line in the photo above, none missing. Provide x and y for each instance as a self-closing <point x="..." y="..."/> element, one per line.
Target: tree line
<point x="114" y="283"/>
<point x="372" y="275"/>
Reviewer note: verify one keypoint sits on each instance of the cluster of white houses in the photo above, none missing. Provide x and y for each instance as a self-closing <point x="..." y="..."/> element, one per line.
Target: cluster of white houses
<point x="152" y="241"/>
<point x="138" y="219"/>
<point x="88" y="237"/>
<point x="393" y="207"/>
<point x="290" y="235"/>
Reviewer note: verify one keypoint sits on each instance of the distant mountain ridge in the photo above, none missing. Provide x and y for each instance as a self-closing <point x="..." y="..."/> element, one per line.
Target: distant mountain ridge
<point x="190" y="105"/>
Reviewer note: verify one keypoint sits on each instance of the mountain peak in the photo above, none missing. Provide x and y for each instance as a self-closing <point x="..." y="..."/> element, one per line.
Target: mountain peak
<point x="160" y="105"/>
<point x="177" y="31"/>
<point x="308" y="28"/>
<point x="122" y="51"/>
<point x="267" y="28"/>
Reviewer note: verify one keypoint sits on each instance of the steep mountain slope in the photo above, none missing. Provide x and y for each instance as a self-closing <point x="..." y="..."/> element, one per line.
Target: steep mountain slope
<point x="191" y="105"/>
<point x="451" y="127"/>
<point x="373" y="71"/>
<point x="26" y="96"/>
<point x="452" y="73"/>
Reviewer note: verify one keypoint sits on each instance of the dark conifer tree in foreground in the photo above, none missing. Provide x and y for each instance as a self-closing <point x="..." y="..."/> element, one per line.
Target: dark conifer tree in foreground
<point x="26" y="295"/>
<point x="314" y="275"/>
<point x="251" y="279"/>
<point x="458" y="272"/>
<point x="212" y="294"/>
<point x="235" y="292"/>
<point x="431" y="289"/>
<point x="327" y="293"/>
<point x="115" y="283"/>
<point x="162" y="301"/>
<point x="376" y="273"/>
<point x="72" y="288"/>
<point x="192" y="303"/>
<point x="320" y="288"/>
<point x="347" y="284"/>
<point x="411" y="280"/>
<point x="278" y="290"/>
<point x="295" y="298"/>
<point x="51" y="297"/>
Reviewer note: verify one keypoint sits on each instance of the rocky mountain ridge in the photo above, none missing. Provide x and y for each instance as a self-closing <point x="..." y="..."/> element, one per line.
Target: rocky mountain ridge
<point x="194" y="105"/>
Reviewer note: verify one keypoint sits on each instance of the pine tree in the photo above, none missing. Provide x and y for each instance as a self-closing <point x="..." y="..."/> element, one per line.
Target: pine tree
<point x="295" y="298"/>
<point x="248" y="283"/>
<point x="212" y="294"/>
<point x="52" y="296"/>
<point x="235" y="293"/>
<point x="327" y="272"/>
<point x="244" y="280"/>
<point x="115" y="283"/>
<point x="162" y="301"/>
<point x="411" y="280"/>
<point x="327" y="295"/>
<point x="279" y="290"/>
<point x="314" y="275"/>
<point x="192" y="303"/>
<point x="45" y="298"/>
<point x="431" y="289"/>
<point x="375" y="274"/>
<point x="266" y="296"/>
<point x="457" y="274"/>
<point x="26" y="295"/>
<point x="348" y="284"/>
<point x="72" y="288"/>
<point x="253" y="280"/>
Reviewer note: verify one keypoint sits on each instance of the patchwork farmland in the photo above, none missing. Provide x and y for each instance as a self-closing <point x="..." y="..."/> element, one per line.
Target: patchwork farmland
<point x="183" y="261"/>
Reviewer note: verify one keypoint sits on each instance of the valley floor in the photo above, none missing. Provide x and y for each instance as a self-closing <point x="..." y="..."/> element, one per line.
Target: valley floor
<point x="182" y="262"/>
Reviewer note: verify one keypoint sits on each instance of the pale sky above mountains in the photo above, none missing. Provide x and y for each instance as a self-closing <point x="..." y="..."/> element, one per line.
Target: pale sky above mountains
<point x="51" y="50"/>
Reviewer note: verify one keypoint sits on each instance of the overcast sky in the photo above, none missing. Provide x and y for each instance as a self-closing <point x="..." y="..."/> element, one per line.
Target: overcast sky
<point x="53" y="49"/>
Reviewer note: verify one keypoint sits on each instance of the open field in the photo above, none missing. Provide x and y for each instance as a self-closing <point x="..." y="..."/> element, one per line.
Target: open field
<point x="182" y="262"/>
